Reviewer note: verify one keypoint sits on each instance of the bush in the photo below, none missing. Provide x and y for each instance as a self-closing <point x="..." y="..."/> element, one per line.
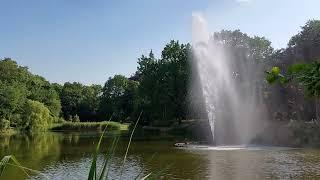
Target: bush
<point x="76" y="118"/>
<point x="15" y="119"/>
<point x="36" y="116"/>
<point x="4" y="124"/>
<point x="61" y="120"/>
<point x="69" y="118"/>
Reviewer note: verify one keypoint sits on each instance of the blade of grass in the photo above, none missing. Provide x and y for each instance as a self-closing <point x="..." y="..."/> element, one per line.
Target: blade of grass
<point x="3" y="164"/>
<point x="31" y="170"/>
<point x="5" y="161"/>
<point x="125" y="156"/>
<point x="112" y="155"/>
<point x="153" y="155"/>
<point x="93" y="168"/>
<point x="145" y="177"/>
<point x="15" y="161"/>
<point x="156" y="175"/>
<point x="108" y="157"/>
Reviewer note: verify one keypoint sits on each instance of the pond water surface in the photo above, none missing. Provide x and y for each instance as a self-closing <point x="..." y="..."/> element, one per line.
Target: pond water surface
<point x="68" y="156"/>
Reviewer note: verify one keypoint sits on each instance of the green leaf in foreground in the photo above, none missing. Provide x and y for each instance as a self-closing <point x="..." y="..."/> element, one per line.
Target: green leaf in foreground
<point x="93" y="168"/>
<point x="159" y="173"/>
<point x="106" y="164"/>
<point x="153" y="155"/>
<point x="125" y="156"/>
<point x="6" y="161"/>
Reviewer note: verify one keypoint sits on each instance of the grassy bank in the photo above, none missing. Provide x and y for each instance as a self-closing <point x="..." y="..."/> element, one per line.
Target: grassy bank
<point x="89" y="126"/>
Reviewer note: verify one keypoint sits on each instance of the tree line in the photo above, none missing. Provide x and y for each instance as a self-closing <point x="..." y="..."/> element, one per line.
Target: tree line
<point x="161" y="87"/>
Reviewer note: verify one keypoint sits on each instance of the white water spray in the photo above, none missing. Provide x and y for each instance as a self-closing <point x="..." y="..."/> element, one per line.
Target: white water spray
<point x="232" y="108"/>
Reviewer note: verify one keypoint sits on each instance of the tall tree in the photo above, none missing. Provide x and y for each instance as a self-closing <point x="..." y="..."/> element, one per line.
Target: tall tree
<point x="164" y="84"/>
<point x="89" y="106"/>
<point x="306" y="44"/>
<point x="71" y="99"/>
<point x="118" y="97"/>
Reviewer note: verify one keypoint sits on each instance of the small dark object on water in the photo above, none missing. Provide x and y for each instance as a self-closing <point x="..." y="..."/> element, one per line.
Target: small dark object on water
<point x="182" y="144"/>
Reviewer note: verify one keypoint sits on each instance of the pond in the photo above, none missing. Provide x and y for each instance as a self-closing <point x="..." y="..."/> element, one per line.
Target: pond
<point x="68" y="156"/>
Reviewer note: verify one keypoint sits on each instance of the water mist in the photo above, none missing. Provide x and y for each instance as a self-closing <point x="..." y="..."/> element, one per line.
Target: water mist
<point x="232" y="107"/>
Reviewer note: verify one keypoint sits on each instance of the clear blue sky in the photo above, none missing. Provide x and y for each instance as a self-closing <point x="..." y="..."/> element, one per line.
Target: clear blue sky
<point x="89" y="40"/>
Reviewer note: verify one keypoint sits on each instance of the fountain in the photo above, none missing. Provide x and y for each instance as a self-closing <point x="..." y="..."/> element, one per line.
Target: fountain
<point x="229" y="89"/>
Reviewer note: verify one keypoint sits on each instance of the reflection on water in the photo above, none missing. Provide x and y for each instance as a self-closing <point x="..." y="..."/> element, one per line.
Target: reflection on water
<point x="68" y="156"/>
<point x="33" y="151"/>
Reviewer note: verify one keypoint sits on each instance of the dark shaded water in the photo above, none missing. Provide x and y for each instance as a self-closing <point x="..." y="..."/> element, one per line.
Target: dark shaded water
<point x="68" y="156"/>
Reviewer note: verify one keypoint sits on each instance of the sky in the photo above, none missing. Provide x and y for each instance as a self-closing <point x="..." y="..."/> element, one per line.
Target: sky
<point x="89" y="41"/>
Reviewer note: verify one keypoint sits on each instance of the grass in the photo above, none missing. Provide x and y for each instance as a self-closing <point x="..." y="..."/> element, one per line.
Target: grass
<point x="10" y="160"/>
<point x="89" y="126"/>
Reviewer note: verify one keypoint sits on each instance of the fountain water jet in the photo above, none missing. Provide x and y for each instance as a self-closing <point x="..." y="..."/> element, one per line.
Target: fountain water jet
<point x="232" y="105"/>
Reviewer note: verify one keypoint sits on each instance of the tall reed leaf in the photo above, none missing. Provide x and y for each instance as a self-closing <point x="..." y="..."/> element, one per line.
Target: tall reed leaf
<point x="6" y="161"/>
<point x="146" y="177"/>
<point x="93" y="168"/>
<point x="125" y="156"/>
<point x="108" y="157"/>
<point x="153" y="155"/>
<point x="112" y="155"/>
<point x="158" y="174"/>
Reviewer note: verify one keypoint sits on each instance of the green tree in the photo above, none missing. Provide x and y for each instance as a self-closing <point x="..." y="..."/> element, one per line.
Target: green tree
<point x="57" y="87"/>
<point x="89" y="106"/>
<point x="12" y="99"/>
<point x="306" y="44"/>
<point x="13" y="89"/>
<point x="81" y="100"/>
<point x="36" y="117"/>
<point x="118" y="97"/>
<point x="177" y="57"/>
<point x="308" y="75"/>
<point x="18" y="84"/>
<point x="42" y="91"/>
<point x="11" y="72"/>
<point x="296" y="63"/>
<point x="71" y="98"/>
<point x="163" y="84"/>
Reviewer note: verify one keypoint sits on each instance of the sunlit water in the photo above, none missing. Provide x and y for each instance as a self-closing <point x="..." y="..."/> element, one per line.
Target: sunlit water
<point x="68" y="156"/>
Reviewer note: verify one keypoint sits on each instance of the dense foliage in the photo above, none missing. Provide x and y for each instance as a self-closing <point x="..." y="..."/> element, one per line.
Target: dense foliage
<point x="307" y="75"/>
<point x="161" y="86"/>
<point x="298" y="71"/>
<point x="36" y="116"/>
<point x="27" y="101"/>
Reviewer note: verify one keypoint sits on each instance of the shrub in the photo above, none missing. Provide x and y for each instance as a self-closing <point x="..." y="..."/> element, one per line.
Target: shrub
<point x="61" y="120"/>
<point x="4" y="124"/>
<point x="36" y="116"/>
<point x="69" y="118"/>
<point x="76" y="118"/>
